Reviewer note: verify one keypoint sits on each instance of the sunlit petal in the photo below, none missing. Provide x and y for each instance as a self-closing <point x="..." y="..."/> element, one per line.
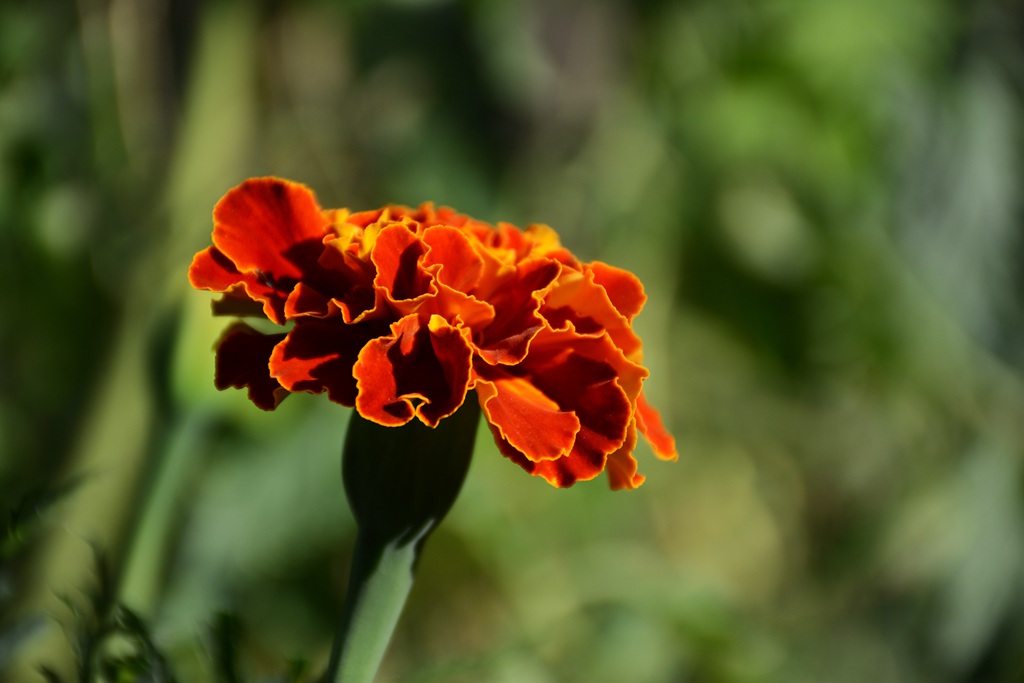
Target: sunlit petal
<point x="524" y="417"/>
<point x="270" y="225"/>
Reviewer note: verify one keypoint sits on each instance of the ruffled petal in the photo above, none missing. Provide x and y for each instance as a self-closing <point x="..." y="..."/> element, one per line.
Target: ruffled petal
<point x="243" y="362"/>
<point x="524" y="417"/>
<point x="428" y="275"/>
<point x="516" y="303"/>
<point x="589" y="389"/>
<point x="457" y="308"/>
<point x="544" y="241"/>
<point x="267" y="235"/>
<point x="318" y="356"/>
<point x="419" y="370"/>
<point x="400" y="277"/>
<point x="629" y="375"/>
<point x="622" y="466"/>
<point x="272" y="226"/>
<point x="577" y="300"/>
<point x="562" y="472"/>
<point x="424" y="215"/>
<point x="212" y="270"/>
<point x="351" y="289"/>
<point x="583" y="376"/>
<point x="649" y="421"/>
<point x="625" y="291"/>
<point x="365" y="219"/>
<point x="450" y="252"/>
<point x="305" y="300"/>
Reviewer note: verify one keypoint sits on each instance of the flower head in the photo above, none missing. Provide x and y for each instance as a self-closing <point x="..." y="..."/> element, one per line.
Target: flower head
<point x="401" y="312"/>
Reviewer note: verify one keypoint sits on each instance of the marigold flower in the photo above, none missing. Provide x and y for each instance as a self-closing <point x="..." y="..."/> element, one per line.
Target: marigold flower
<point x="401" y="312"/>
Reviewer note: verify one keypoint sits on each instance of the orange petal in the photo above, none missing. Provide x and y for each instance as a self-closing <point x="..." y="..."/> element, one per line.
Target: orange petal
<point x="621" y="465"/>
<point x="651" y="426"/>
<point x="562" y="472"/>
<point x="396" y="254"/>
<point x="419" y="369"/>
<point x="542" y="239"/>
<point x="365" y="218"/>
<point x="457" y="307"/>
<point x="270" y="225"/>
<point x="265" y="239"/>
<point x="624" y="289"/>
<point x="242" y="362"/>
<point x="577" y="300"/>
<point x="306" y="301"/>
<point x="528" y="420"/>
<point x="213" y="271"/>
<point x="458" y="264"/>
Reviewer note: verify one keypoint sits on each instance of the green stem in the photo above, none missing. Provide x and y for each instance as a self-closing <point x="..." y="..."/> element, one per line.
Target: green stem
<point x="380" y="581"/>
<point x="400" y="483"/>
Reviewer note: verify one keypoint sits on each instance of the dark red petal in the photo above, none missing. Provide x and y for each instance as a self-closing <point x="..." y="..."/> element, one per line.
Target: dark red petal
<point x="629" y="375"/>
<point x="421" y="369"/>
<point x="304" y="300"/>
<point x="318" y="355"/>
<point x="625" y="290"/>
<point x="585" y="376"/>
<point x="651" y="426"/>
<point x="429" y="275"/>
<point x="236" y="302"/>
<point x="588" y="388"/>
<point x="351" y="276"/>
<point x="528" y="420"/>
<point x="242" y="361"/>
<point x="516" y="303"/>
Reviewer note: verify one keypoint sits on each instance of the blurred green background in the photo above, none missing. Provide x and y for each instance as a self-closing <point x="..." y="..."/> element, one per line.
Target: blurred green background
<point x="823" y="198"/>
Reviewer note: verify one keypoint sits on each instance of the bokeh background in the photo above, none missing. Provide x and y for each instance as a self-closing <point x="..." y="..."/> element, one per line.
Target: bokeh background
<point x="823" y="199"/>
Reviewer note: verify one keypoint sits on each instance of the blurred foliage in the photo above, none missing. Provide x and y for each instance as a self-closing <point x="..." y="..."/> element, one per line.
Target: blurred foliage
<point x="822" y="198"/>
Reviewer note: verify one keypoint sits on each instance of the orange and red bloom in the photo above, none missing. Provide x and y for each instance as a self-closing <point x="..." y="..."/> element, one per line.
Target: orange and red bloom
<point x="401" y="312"/>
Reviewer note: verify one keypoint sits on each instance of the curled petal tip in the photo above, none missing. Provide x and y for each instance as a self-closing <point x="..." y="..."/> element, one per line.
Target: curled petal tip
<point x="651" y="426"/>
